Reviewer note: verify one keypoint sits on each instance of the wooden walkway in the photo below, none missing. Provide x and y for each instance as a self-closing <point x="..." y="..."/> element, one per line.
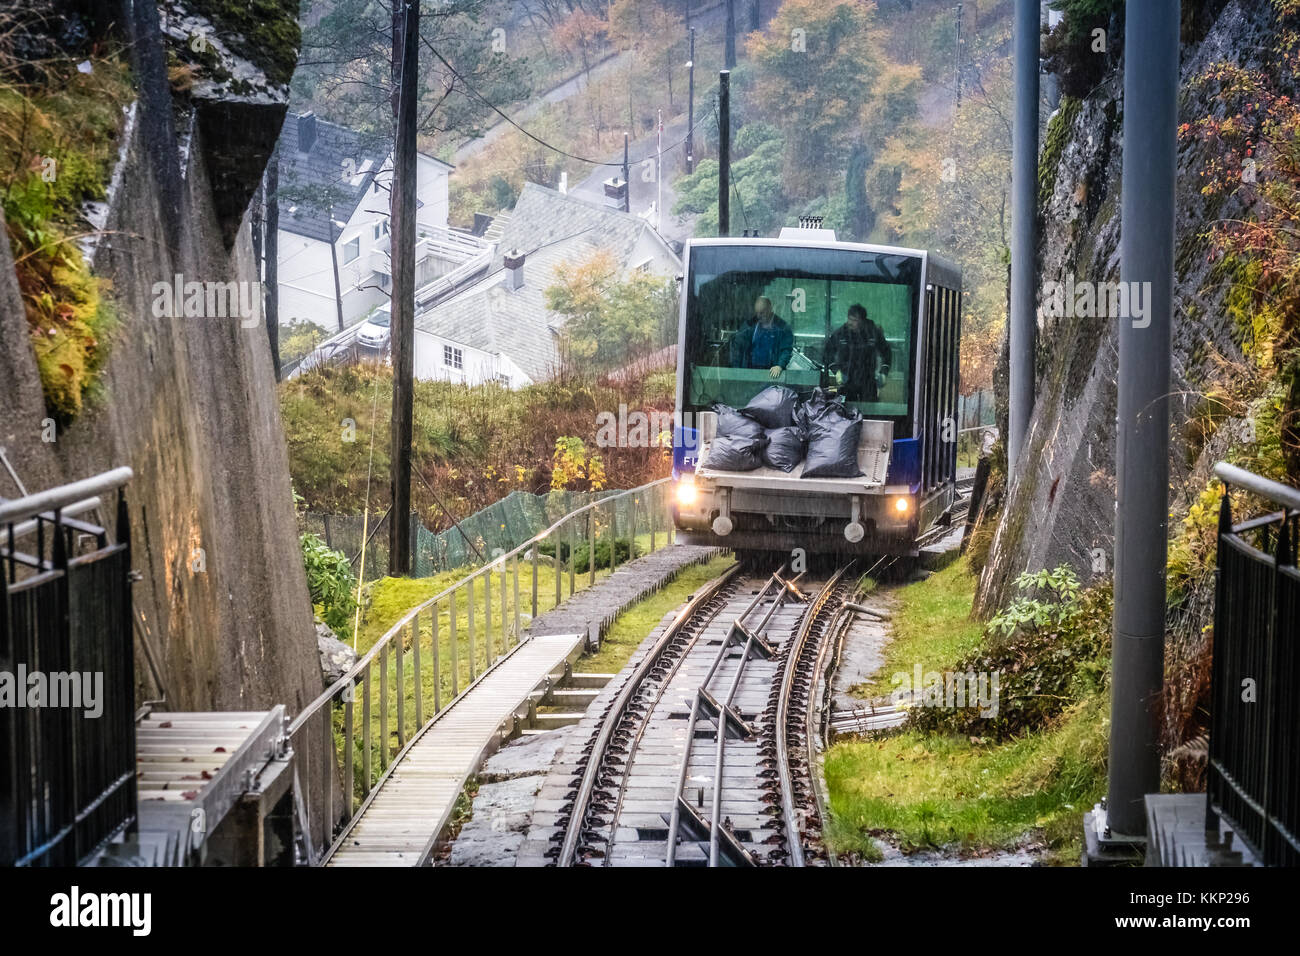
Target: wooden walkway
<point x="409" y="808"/>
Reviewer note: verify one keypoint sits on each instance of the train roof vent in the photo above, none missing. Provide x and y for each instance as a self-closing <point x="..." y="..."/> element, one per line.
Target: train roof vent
<point x="810" y="227"/>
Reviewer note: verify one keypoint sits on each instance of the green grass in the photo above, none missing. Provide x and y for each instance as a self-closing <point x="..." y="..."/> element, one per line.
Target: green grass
<point x="922" y="790"/>
<point x="632" y="626"/>
<point x="932" y="627"/>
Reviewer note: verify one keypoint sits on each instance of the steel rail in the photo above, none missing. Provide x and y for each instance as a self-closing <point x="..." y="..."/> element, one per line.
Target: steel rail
<point x="794" y="842"/>
<point x="817" y="719"/>
<point x="618" y="709"/>
<point x="784" y="589"/>
<point x="635" y="743"/>
<point x="675" y="818"/>
<point x="720" y="735"/>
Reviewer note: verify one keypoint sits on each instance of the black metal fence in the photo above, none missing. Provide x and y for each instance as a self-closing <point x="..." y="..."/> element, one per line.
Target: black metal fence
<point x="67" y="728"/>
<point x="1253" y="778"/>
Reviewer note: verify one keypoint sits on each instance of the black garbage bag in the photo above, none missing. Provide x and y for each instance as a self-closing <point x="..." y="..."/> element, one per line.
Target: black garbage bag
<point x="732" y="423"/>
<point x="816" y="404"/>
<point x="773" y="407"/>
<point x="833" y="431"/>
<point x="735" y="453"/>
<point x="785" y="447"/>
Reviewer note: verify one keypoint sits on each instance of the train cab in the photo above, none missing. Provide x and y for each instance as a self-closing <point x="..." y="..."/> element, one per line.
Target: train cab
<point x="762" y="312"/>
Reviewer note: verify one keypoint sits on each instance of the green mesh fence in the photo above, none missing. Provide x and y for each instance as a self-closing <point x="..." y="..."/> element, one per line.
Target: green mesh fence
<point x="497" y="529"/>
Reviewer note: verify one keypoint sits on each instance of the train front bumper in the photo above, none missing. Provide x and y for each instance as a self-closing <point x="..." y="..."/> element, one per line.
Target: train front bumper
<point x="738" y="513"/>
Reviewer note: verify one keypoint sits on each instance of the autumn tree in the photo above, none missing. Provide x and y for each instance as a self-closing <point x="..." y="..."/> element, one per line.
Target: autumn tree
<point x="812" y="69"/>
<point x="344" y="67"/>
<point x="609" y="318"/>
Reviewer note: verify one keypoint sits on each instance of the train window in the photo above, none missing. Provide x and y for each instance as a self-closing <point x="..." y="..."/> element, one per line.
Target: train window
<point x="817" y="335"/>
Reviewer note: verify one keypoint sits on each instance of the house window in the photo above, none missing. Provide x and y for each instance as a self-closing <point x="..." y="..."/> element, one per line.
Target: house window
<point x="453" y="357"/>
<point x="381" y="228"/>
<point x="352" y="250"/>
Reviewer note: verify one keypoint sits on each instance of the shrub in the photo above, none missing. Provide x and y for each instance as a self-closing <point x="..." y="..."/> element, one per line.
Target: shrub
<point x="331" y="583"/>
<point x="581" y="553"/>
<point x="1049" y="648"/>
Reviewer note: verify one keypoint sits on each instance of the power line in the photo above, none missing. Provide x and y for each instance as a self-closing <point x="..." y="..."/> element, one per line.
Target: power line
<point x="535" y="138"/>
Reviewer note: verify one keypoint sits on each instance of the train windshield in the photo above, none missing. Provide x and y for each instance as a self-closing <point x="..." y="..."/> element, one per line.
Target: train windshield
<point x="839" y="319"/>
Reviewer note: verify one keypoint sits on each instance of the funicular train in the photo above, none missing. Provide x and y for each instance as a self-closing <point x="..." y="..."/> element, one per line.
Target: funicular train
<point x="759" y="312"/>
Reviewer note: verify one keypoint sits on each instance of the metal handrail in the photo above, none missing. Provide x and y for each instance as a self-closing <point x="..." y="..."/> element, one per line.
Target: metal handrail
<point x="56" y="499"/>
<point x="498" y="641"/>
<point x="410" y="615"/>
<point x="1265" y="488"/>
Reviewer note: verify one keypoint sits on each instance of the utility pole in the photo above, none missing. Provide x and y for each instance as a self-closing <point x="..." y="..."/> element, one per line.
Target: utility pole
<point x="271" y="256"/>
<point x="659" y="175"/>
<point x="334" y="260"/>
<point x="724" y="153"/>
<point x="690" y="108"/>
<point x="1022" y="328"/>
<point x="958" y="52"/>
<point x="729" y="47"/>
<point x="406" y="66"/>
<point x="1151" y="74"/>
<point x="627" y="183"/>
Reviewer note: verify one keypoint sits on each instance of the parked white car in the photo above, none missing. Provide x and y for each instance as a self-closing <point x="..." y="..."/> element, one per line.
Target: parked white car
<point x="374" y="331"/>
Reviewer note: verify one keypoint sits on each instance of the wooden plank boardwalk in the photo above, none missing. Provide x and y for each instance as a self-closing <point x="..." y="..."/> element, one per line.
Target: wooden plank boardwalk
<point x="411" y="805"/>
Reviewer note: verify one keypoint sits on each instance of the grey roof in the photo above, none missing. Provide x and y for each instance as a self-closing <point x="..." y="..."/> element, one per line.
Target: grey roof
<point x="542" y="216"/>
<point x="310" y="180"/>
<point x="550" y="229"/>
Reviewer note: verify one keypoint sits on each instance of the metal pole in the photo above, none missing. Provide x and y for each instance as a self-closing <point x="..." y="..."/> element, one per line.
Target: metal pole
<point x="1024" y="229"/>
<point x="724" y="153"/>
<point x="690" y="108"/>
<point x="957" y="52"/>
<point x="627" y="183"/>
<point x="1151" y="38"/>
<point x="659" y="173"/>
<point x="729" y="45"/>
<point x="406" y="46"/>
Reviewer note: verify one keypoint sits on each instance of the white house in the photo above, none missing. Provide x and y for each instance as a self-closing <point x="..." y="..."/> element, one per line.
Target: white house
<point x="498" y="327"/>
<point x="334" y="232"/>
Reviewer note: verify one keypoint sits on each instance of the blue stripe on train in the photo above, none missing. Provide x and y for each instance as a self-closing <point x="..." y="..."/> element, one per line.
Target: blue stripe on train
<point x="905" y="463"/>
<point x="686" y="450"/>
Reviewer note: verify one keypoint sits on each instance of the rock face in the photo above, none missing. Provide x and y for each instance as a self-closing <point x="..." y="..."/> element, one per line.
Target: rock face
<point x="190" y="404"/>
<point x="1061" y="509"/>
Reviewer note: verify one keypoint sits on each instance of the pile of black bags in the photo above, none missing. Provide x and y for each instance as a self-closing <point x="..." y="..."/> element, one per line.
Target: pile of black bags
<point x="779" y="430"/>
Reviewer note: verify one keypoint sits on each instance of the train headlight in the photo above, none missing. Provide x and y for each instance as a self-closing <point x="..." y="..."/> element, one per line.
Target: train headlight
<point x="687" y="493"/>
<point x="901" y="505"/>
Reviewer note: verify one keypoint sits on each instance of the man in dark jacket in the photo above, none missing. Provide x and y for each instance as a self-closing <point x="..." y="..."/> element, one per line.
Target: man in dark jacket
<point x="860" y="356"/>
<point x="765" y="341"/>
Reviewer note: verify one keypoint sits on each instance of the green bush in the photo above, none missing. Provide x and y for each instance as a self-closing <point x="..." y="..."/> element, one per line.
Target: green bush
<point x="1049" y="648"/>
<point x="331" y="583"/>
<point x="581" y="554"/>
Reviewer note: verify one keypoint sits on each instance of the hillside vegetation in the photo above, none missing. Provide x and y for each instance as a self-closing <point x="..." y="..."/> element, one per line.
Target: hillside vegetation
<point x="472" y="445"/>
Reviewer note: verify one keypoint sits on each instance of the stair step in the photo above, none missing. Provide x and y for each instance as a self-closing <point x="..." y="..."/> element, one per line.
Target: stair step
<point x="589" y="680"/>
<point x="552" y="721"/>
<point x="573" y="698"/>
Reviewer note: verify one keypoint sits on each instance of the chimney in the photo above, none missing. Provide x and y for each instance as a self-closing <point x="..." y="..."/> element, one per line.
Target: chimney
<point x="514" y="263"/>
<point x="306" y="132"/>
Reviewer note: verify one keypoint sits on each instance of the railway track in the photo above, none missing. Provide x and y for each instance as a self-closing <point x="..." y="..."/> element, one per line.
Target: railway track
<point x="703" y="757"/>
